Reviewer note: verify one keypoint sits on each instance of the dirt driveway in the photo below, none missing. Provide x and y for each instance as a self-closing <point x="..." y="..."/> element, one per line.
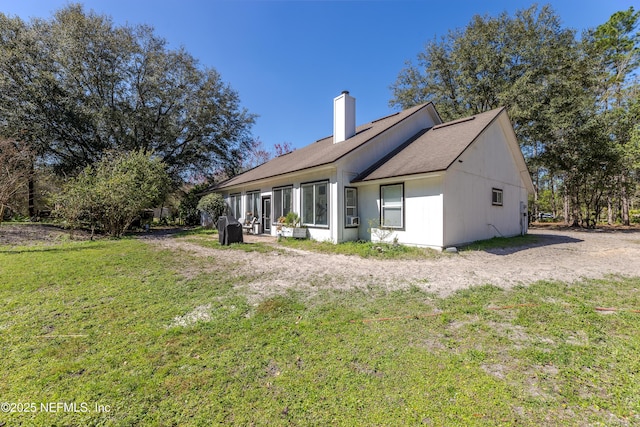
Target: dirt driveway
<point x="563" y="255"/>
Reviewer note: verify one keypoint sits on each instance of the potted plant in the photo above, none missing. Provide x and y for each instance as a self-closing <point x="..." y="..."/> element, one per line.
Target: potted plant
<point x="290" y="226"/>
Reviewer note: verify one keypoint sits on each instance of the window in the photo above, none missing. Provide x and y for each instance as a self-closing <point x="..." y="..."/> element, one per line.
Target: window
<point x="496" y="197"/>
<point x="253" y="203"/>
<point x="315" y="204"/>
<point x="282" y="202"/>
<point x="391" y="205"/>
<point x="350" y="206"/>
<point x="235" y="205"/>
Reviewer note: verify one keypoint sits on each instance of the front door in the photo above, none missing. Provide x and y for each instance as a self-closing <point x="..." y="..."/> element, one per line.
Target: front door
<point x="266" y="214"/>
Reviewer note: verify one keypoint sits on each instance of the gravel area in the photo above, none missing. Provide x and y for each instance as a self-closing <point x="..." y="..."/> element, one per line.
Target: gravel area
<point x="565" y="255"/>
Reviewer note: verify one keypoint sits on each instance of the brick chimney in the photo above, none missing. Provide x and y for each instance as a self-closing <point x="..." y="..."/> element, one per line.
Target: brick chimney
<point x="344" y="117"/>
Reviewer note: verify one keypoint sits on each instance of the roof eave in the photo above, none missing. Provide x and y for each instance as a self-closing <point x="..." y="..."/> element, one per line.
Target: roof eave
<point x="396" y="178"/>
<point x="259" y="181"/>
<point x="222" y="186"/>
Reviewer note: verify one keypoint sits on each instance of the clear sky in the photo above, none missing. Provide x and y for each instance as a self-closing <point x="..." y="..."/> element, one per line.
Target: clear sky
<point x="289" y="59"/>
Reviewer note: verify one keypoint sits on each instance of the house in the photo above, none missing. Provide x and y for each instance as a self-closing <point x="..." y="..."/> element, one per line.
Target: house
<point x="406" y="177"/>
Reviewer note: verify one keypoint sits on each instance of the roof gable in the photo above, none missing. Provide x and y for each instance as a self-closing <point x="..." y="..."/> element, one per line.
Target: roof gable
<point x="431" y="150"/>
<point x="320" y="153"/>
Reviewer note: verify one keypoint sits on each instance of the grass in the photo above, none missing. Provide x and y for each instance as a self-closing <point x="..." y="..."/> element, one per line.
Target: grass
<point x="116" y="323"/>
<point x="362" y="249"/>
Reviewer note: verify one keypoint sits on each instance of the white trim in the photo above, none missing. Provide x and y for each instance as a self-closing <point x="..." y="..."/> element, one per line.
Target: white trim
<point x="396" y="179"/>
<point x="392" y="206"/>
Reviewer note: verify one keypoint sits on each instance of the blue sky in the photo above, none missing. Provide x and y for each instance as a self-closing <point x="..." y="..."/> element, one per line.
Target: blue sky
<point x="289" y="59"/>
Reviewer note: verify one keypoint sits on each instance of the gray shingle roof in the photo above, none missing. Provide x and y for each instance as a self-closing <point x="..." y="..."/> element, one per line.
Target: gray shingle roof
<point x="321" y="152"/>
<point x="431" y="150"/>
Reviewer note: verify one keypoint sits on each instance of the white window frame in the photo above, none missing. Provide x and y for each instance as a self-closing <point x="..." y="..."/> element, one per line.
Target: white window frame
<point x="311" y="222"/>
<point x="391" y="205"/>
<point x="281" y="209"/>
<point x="497" y="196"/>
<point x="350" y="210"/>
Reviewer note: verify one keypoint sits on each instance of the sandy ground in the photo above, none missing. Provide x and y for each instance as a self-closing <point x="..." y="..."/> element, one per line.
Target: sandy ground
<point x="562" y="255"/>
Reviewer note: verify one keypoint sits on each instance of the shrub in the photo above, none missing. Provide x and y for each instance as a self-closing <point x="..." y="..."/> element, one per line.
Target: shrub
<point x="114" y="191"/>
<point x="213" y="204"/>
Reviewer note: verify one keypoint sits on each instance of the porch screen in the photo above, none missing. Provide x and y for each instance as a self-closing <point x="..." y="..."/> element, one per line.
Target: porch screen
<point x="282" y="202"/>
<point x="253" y="203"/>
<point x="235" y="206"/>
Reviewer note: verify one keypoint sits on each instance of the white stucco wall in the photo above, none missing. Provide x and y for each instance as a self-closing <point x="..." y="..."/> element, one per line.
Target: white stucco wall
<point x="468" y="212"/>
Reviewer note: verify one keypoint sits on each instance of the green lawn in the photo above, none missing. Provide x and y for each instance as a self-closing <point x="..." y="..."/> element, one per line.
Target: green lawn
<point x="122" y="325"/>
<point x="362" y="249"/>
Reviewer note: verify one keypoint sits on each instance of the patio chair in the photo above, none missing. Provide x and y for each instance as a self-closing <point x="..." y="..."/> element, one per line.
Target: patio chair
<point x="247" y="225"/>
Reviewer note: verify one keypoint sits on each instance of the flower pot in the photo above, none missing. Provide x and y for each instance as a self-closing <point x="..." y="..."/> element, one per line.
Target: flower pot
<point x="297" y="232"/>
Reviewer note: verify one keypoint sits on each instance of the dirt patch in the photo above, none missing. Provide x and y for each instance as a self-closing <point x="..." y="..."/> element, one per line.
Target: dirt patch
<point x="562" y="255"/>
<point x="36" y="234"/>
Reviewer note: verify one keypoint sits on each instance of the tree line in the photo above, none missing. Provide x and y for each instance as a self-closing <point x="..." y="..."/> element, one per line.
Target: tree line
<point x="77" y="88"/>
<point x="574" y="101"/>
<point x="81" y="96"/>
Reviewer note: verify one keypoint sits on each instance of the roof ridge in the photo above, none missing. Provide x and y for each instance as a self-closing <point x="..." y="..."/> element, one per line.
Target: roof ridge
<point x="385" y="117"/>
<point x="392" y="154"/>
<point x="323" y="151"/>
<point x="454" y="122"/>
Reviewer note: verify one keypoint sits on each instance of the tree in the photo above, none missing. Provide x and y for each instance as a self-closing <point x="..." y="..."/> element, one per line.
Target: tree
<point x="475" y="69"/>
<point x="77" y="86"/>
<point x="616" y="44"/>
<point x="551" y="84"/>
<point x="212" y="204"/>
<point x="282" y="149"/>
<point x="255" y="155"/>
<point x="188" y="208"/>
<point x="14" y="172"/>
<point x="114" y="191"/>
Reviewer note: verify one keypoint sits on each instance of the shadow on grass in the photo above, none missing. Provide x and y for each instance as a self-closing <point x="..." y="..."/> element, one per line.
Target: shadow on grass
<point x="55" y="247"/>
<point x="511" y="245"/>
<point x="157" y="233"/>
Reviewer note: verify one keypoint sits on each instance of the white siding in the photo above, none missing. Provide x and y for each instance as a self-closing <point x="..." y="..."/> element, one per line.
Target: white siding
<point x="468" y="212"/>
<point x="360" y="159"/>
<point x="422" y="212"/>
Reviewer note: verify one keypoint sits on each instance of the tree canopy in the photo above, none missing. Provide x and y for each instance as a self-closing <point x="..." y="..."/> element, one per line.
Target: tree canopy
<point x="77" y="86"/>
<point x="573" y="101"/>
